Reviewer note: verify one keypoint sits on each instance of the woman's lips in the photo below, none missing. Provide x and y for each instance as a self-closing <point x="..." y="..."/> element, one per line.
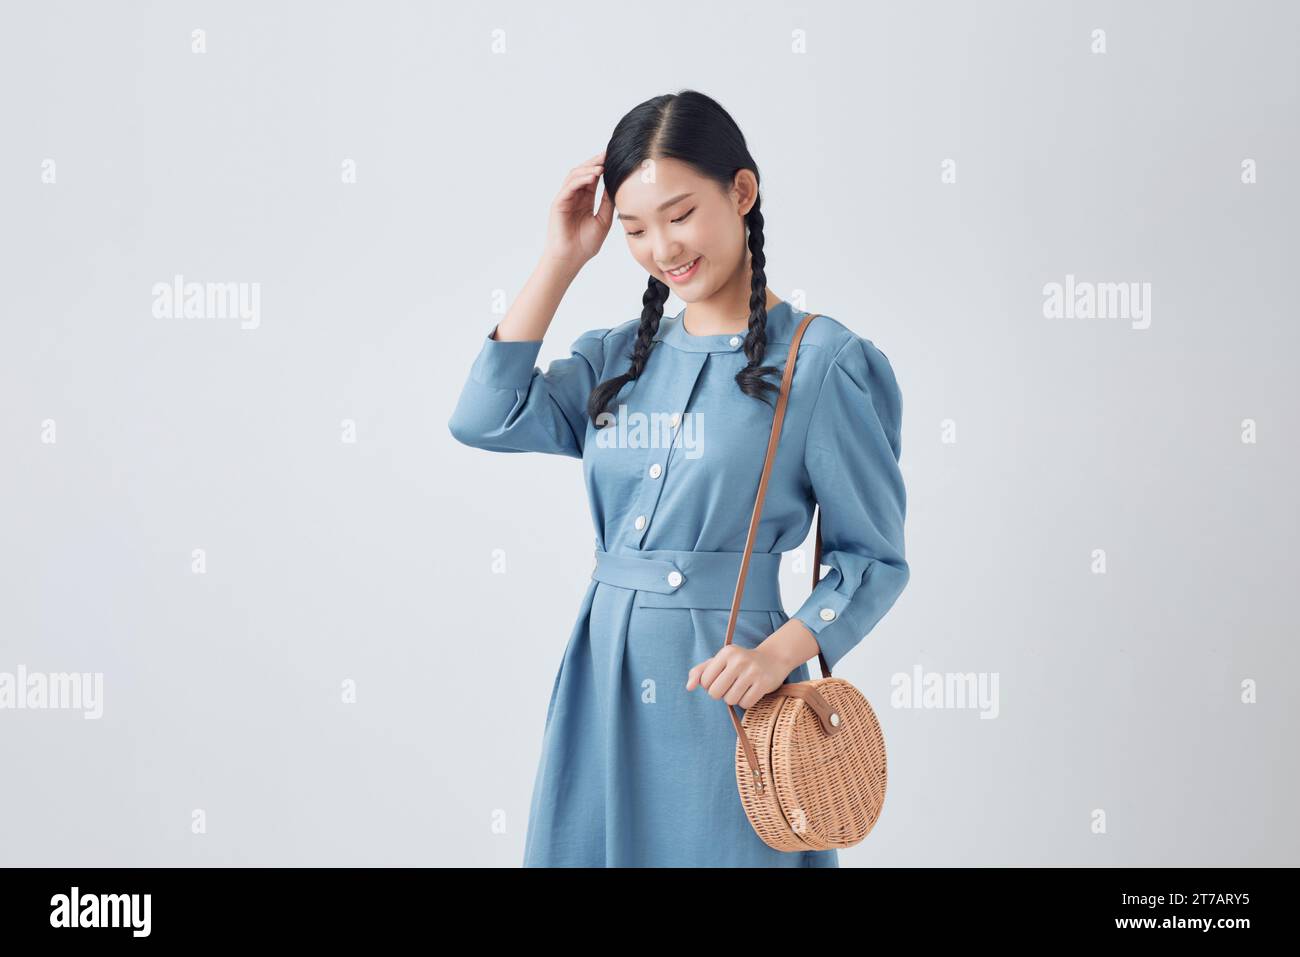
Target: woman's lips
<point x="682" y="277"/>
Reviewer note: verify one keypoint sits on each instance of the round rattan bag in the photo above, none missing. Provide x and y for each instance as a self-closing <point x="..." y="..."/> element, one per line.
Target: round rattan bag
<point x="821" y="763"/>
<point x="810" y="756"/>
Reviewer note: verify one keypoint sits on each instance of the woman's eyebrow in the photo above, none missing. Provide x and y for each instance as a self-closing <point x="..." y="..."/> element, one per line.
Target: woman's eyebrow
<point x="660" y="208"/>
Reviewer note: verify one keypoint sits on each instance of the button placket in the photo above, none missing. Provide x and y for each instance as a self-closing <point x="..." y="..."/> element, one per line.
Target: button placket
<point x="659" y="460"/>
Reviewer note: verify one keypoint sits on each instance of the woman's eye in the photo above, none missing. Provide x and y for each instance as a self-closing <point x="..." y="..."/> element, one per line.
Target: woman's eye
<point x="679" y="219"/>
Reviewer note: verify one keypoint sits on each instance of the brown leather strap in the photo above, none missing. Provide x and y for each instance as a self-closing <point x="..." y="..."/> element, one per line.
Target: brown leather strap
<point x="807" y="692"/>
<point x="815" y="700"/>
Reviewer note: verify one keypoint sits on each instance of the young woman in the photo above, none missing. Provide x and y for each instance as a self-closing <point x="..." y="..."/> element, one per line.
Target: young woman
<point x="671" y="418"/>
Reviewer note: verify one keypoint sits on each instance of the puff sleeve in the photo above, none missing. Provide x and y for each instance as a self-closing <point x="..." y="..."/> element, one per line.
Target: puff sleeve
<point x="854" y="443"/>
<point x="508" y="404"/>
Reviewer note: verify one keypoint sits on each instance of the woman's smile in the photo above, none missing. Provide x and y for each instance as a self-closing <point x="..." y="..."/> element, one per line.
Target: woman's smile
<point x="686" y="271"/>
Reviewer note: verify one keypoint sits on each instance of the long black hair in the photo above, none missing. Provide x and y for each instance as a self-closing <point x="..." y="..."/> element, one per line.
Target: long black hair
<point x="695" y="129"/>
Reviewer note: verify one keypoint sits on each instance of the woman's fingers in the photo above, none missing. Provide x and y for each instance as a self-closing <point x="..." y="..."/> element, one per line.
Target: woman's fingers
<point x="746" y="681"/>
<point x="605" y="212"/>
<point x="582" y="174"/>
<point x="579" y="184"/>
<point x="728" y="681"/>
<point x="591" y="164"/>
<point x="741" y="691"/>
<point x="579" y="180"/>
<point x="574" y="233"/>
<point x="720" y="675"/>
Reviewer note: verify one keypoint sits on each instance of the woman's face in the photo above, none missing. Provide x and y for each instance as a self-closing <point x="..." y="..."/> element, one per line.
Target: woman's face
<point x="672" y="216"/>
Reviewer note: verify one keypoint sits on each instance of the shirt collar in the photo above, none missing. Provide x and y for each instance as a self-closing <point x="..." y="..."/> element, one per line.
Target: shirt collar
<point x="672" y="331"/>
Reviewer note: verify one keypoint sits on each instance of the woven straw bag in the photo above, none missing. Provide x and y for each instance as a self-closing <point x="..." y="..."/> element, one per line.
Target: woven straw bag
<point x="810" y="755"/>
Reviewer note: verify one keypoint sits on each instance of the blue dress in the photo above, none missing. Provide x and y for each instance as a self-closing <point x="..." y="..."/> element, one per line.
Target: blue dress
<point x="635" y="771"/>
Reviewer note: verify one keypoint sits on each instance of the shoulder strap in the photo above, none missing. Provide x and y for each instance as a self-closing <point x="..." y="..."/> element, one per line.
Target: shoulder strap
<point x="777" y="418"/>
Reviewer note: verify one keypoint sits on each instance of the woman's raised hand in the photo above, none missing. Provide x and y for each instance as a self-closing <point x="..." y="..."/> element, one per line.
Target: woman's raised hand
<point x="574" y="233"/>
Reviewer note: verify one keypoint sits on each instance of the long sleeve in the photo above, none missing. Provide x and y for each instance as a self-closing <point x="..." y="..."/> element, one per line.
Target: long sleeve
<point x="509" y="405"/>
<point x="853" y="448"/>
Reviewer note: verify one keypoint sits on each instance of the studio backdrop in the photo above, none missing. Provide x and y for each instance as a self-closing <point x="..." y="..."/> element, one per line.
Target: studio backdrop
<point x="258" y="605"/>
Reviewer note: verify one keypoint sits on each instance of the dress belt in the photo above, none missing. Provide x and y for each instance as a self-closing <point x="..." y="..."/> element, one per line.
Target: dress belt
<point x="668" y="578"/>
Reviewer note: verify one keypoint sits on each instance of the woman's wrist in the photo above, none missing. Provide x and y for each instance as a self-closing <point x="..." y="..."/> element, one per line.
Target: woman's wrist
<point x="558" y="271"/>
<point x="791" y="645"/>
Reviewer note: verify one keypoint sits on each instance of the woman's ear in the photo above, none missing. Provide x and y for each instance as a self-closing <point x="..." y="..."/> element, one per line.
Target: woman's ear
<point x="744" y="190"/>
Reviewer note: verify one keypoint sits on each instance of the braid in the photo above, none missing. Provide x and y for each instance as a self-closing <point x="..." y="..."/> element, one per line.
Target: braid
<point x="750" y="379"/>
<point x="652" y="310"/>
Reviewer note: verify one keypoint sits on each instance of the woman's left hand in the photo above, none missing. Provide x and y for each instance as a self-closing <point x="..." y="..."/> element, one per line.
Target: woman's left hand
<point x="742" y="675"/>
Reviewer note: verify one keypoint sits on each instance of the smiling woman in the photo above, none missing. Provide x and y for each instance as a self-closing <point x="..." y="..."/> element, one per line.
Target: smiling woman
<point x="684" y="269"/>
<point x="638" y="754"/>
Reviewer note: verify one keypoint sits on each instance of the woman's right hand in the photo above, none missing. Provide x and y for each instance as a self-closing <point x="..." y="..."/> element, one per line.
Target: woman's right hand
<point x="574" y="233"/>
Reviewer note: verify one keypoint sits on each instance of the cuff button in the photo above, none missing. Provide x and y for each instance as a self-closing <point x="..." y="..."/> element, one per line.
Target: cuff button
<point x="828" y="614"/>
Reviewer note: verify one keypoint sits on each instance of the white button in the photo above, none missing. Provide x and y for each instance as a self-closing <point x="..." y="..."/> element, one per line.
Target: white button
<point x="656" y="470"/>
<point x="735" y="340"/>
<point x="828" y="614"/>
<point x="677" y="417"/>
<point x="674" y="578"/>
<point x="640" y="523"/>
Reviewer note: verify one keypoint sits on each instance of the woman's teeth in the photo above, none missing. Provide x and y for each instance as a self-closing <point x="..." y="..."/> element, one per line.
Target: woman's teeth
<point x="684" y="269"/>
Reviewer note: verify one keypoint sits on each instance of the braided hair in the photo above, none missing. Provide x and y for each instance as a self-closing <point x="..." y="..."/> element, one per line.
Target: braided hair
<point x="694" y="128"/>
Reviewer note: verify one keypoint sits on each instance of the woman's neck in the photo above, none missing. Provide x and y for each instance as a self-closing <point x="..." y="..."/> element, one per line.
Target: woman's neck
<point x="710" y="318"/>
